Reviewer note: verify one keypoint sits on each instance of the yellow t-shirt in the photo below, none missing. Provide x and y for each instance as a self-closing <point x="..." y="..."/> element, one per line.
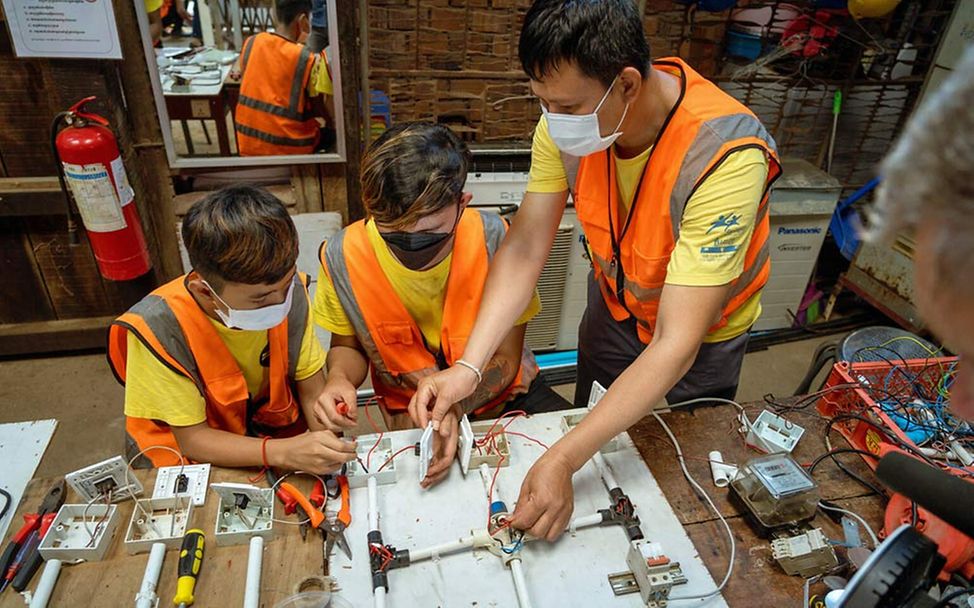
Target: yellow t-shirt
<point x="154" y="391"/>
<point x="716" y="226"/>
<point x="320" y="82"/>
<point x="152" y="6"/>
<point x="422" y="293"/>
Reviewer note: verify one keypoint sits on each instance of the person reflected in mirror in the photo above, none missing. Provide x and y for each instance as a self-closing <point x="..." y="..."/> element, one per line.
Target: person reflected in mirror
<point x="153" y="9"/>
<point x="285" y="105"/>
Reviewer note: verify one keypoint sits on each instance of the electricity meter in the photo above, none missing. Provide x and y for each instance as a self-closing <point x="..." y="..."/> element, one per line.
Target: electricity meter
<point x="776" y="491"/>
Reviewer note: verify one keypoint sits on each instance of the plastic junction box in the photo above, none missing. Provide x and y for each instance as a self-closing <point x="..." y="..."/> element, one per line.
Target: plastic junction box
<point x="96" y="480"/>
<point x="497" y="453"/>
<point x="158" y="520"/>
<point x="425" y="451"/>
<point x="773" y="434"/>
<point x="465" y="448"/>
<point x="359" y="477"/>
<point x="245" y="511"/>
<point x="69" y="540"/>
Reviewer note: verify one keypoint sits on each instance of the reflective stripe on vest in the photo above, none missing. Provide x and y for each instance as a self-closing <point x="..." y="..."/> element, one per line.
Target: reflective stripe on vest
<point x="161" y="321"/>
<point x="267" y="123"/>
<point x="703" y="129"/>
<point x="390" y="337"/>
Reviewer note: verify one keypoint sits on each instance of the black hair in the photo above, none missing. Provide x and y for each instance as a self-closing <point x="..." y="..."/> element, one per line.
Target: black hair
<point x="289" y="10"/>
<point x="412" y="170"/>
<point x="240" y="234"/>
<point x="601" y="37"/>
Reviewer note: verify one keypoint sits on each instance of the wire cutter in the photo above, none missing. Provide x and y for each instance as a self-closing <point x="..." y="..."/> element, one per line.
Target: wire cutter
<point x="335" y="529"/>
<point x="20" y="557"/>
<point x="290" y="502"/>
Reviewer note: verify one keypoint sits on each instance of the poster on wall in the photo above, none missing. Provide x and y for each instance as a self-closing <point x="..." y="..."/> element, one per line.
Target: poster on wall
<point x="79" y="29"/>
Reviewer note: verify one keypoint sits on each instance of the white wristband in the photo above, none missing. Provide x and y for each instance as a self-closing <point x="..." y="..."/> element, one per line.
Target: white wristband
<point x="471" y="367"/>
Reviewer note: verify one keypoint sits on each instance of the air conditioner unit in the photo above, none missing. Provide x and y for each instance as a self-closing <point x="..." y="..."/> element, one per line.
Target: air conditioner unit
<point x="562" y="285"/>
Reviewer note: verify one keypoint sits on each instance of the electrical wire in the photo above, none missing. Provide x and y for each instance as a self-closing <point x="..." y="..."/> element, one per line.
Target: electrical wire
<point x="945" y="600"/>
<point x="872" y="534"/>
<point x="696" y="486"/>
<point x="388" y="460"/>
<point x="7" y="501"/>
<point x="368" y="458"/>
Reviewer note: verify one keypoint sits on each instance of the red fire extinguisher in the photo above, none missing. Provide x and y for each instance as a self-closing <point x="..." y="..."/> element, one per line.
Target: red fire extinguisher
<point x="90" y="165"/>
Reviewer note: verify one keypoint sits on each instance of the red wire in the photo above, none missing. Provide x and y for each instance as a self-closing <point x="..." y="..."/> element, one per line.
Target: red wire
<point x="490" y="431"/>
<point x="401" y="450"/>
<point x="528" y="437"/>
<point x="368" y="458"/>
<point x="490" y="495"/>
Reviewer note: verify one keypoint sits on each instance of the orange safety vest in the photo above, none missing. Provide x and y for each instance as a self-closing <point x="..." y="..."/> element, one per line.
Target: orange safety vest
<point x="630" y="255"/>
<point x="274" y="114"/>
<point x="393" y="342"/>
<point x="175" y="329"/>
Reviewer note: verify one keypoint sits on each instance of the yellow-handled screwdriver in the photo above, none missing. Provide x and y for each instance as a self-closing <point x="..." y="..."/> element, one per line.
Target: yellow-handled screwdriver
<point x="188" y="570"/>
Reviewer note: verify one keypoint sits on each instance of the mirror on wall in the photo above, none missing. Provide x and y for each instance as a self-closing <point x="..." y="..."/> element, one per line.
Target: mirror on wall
<point x="245" y="82"/>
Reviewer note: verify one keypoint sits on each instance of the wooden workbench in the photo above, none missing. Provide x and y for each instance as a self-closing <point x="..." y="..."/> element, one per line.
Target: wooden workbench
<point x="757" y="580"/>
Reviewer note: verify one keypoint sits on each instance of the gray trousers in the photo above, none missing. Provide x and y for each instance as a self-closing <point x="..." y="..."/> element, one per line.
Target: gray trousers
<point x="606" y="347"/>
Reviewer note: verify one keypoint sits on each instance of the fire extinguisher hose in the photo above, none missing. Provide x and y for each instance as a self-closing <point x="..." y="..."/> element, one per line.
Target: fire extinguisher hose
<point x="72" y="226"/>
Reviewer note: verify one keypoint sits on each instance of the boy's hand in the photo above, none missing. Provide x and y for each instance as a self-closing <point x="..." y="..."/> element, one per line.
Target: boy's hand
<point x="315" y="452"/>
<point x="444" y="447"/>
<point x="337" y="405"/>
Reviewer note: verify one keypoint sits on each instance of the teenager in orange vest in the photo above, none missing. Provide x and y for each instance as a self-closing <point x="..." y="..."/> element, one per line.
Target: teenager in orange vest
<point x="670" y="179"/>
<point x="222" y="363"/>
<point x="400" y="291"/>
<point x="285" y="88"/>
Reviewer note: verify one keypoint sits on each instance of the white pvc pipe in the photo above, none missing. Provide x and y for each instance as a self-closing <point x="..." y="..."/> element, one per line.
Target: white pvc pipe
<point x="254" y="562"/>
<point x="442" y="549"/>
<point x="520" y="584"/>
<point x="379" y="593"/>
<point x="46" y="585"/>
<point x="373" y="504"/>
<point x="147" y="593"/>
<point x="586" y="521"/>
<point x="605" y="471"/>
<point x="487" y="477"/>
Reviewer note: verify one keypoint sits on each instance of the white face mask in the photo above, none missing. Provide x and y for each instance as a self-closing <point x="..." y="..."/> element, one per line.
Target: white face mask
<point x="256" y="319"/>
<point x="579" y="134"/>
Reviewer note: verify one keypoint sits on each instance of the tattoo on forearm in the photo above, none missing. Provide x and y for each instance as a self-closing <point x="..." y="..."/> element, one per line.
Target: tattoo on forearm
<point x="498" y="375"/>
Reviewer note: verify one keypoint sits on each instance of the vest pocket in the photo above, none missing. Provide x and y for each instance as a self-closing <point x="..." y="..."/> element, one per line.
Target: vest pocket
<point x="647" y="275"/>
<point x="396" y="333"/>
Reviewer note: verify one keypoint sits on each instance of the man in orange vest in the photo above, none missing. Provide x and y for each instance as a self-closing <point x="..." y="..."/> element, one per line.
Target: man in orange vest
<point x="222" y="364"/>
<point x="400" y="291"/>
<point x="670" y="179"/>
<point x="285" y="88"/>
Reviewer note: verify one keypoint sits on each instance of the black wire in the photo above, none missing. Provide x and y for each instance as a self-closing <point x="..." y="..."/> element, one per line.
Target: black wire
<point x="945" y="600"/>
<point x="6" y="503"/>
<point x="831" y="454"/>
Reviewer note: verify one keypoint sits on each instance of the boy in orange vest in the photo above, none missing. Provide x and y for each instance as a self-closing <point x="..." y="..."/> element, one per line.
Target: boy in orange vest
<point x="400" y="291"/>
<point x="222" y="363"/>
<point x="285" y="88"/>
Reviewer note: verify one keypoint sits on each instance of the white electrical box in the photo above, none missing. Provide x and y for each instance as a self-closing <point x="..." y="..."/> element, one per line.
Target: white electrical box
<point x="466" y="444"/>
<point x="358" y="471"/>
<point x="245" y="511"/>
<point x="774" y="434"/>
<point x="194" y="482"/>
<point x="75" y="534"/>
<point x="158" y="520"/>
<point x="805" y="555"/>
<point x="425" y="451"/>
<point x="96" y="480"/>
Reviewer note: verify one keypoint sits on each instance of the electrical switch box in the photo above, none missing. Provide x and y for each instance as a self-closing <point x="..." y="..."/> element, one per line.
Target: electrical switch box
<point x="377" y="465"/>
<point x="772" y="433"/>
<point x="80" y="532"/>
<point x="244" y="511"/>
<point x="493" y="450"/>
<point x="158" y="520"/>
<point x="97" y="480"/>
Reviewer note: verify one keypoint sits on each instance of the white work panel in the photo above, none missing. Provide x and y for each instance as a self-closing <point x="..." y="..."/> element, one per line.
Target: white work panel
<point x="571" y="572"/>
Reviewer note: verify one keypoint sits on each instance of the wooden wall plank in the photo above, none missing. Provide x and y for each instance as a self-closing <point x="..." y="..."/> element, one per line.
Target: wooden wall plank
<point x="23" y="297"/>
<point x="306" y="182"/>
<point x="351" y="64"/>
<point x="69" y="271"/>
